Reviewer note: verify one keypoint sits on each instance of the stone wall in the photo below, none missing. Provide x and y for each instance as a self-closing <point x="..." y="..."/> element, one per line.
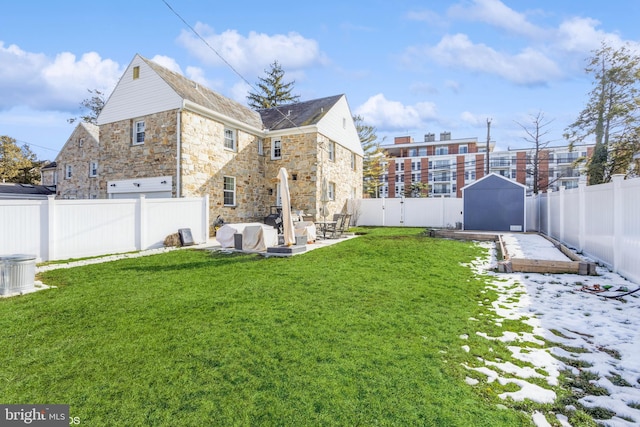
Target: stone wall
<point x="205" y="162"/>
<point x="307" y="161"/>
<point x="80" y="150"/>
<point x="120" y="159"/>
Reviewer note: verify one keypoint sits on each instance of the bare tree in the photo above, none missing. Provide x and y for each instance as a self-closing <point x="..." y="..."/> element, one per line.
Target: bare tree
<point x="537" y="132"/>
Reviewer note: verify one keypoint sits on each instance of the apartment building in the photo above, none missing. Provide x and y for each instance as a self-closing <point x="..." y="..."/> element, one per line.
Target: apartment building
<point x="441" y="168"/>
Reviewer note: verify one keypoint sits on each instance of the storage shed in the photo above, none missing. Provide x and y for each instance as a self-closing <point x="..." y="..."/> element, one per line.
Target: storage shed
<point x="494" y="203"/>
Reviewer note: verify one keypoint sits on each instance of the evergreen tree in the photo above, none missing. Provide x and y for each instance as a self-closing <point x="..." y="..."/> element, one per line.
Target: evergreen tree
<point x="374" y="157"/>
<point x="273" y="90"/>
<point x="611" y="114"/>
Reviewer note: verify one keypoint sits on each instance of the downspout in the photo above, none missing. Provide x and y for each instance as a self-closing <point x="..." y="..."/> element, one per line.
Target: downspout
<point x="178" y="149"/>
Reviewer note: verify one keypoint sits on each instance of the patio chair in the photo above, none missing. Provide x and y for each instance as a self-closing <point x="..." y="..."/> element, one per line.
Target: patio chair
<point x="336" y="230"/>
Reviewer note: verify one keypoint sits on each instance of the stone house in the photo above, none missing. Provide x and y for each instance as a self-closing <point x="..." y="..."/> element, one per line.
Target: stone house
<point x="163" y="135"/>
<point x="75" y="171"/>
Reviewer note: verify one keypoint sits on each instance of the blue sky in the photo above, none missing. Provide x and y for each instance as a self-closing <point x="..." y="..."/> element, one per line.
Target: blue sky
<point x="407" y="67"/>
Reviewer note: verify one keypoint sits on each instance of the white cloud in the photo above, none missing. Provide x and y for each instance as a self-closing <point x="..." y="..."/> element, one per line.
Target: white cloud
<point x="168" y="63"/>
<point x="253" y="53"/>
<point x="529" y="66"/>
<point x="39" y="82"/>
<point x="386" y="114"/>
<point x="496" y="13"/>
<point x="472" y="119"/>
<point x="239" y="92"/>
<point x="580" y="35"/>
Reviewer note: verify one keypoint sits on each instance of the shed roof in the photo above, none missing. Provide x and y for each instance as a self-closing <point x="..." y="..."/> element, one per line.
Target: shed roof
<point x="494" y="181"/>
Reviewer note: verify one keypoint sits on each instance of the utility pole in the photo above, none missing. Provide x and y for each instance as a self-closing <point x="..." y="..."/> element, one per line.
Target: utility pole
<point x="486" y="170"/>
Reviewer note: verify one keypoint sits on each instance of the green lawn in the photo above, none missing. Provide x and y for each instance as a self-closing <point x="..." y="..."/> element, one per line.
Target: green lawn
<point x="366" y="332"/>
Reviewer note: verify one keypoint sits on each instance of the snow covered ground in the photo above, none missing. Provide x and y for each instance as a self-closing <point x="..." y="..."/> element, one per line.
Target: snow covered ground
<point x="562" y="310"/>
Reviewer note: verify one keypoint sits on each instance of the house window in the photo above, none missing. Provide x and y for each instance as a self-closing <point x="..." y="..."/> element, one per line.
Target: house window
<point x="229" y="191"/>
<point x="229" y="139"/>
<point x="353" y="161"/>
<point x="68" y="171"/>
<point x="138" y="134"/>
<point x="80" y="142"/>
<point x="136" y="73"/>
<point x="442" y="150"/>
<point x="332" y="150"/>
<point x="332" y="190"/>
<point x="276" y="149"/>
<point x="93" y="169"/>
<point x="463" y="149"/>
<point x="260" y="147"/>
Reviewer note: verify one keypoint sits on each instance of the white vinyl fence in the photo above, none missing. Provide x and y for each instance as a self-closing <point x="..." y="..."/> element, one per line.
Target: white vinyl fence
<point x="601" y="221"/>
<point x="62" y="229"/>
<point x="410" y="212"/>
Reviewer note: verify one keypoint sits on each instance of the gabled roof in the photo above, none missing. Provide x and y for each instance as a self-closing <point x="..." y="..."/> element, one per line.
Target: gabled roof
<point x="92" y="130"/>
<point x="201" y="95"/>
<point x="50" y="165"/>
<point x="297" y="115"/>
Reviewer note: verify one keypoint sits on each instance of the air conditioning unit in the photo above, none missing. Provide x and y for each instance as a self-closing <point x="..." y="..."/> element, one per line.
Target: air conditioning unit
<point x="17" y="274"/>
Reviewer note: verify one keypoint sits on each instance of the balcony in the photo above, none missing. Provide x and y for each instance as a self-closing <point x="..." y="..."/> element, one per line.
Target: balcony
<point x="441" y="165"/>
<point x="567" y="158"/>
<point x="500" y="164"/>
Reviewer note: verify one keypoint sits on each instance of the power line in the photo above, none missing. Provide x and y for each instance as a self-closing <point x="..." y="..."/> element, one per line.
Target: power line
<point x="193" y="30"/>
<point x="35" y="145"/>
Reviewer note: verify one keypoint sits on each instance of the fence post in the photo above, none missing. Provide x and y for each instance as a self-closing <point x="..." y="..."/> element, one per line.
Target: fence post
<point x="582" y="214"/>
<point x="50" y="243"/>
<point x="561" y="215"/>
<point x="205" y="218"/>
<point x="549" y="192"/>
<point x="618" y="216"/>
<point x="142" y="223"/>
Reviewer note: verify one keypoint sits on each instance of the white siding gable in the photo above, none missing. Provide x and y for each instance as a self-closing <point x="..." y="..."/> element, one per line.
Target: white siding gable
<point x="133" y="98"/>
<point x="338" y="125"/>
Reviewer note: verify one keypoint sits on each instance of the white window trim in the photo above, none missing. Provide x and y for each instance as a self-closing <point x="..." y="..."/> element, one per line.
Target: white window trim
<point x="234" y="139"/>
<point x="273" y="149"/>
<point x="92" y="173"/>
<point x="68" y="172"/>
<point x="225" y="191"/>
<point x="134" y="139"/>
<point x="331" y="149"/>
<point x="331" y="190"/>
